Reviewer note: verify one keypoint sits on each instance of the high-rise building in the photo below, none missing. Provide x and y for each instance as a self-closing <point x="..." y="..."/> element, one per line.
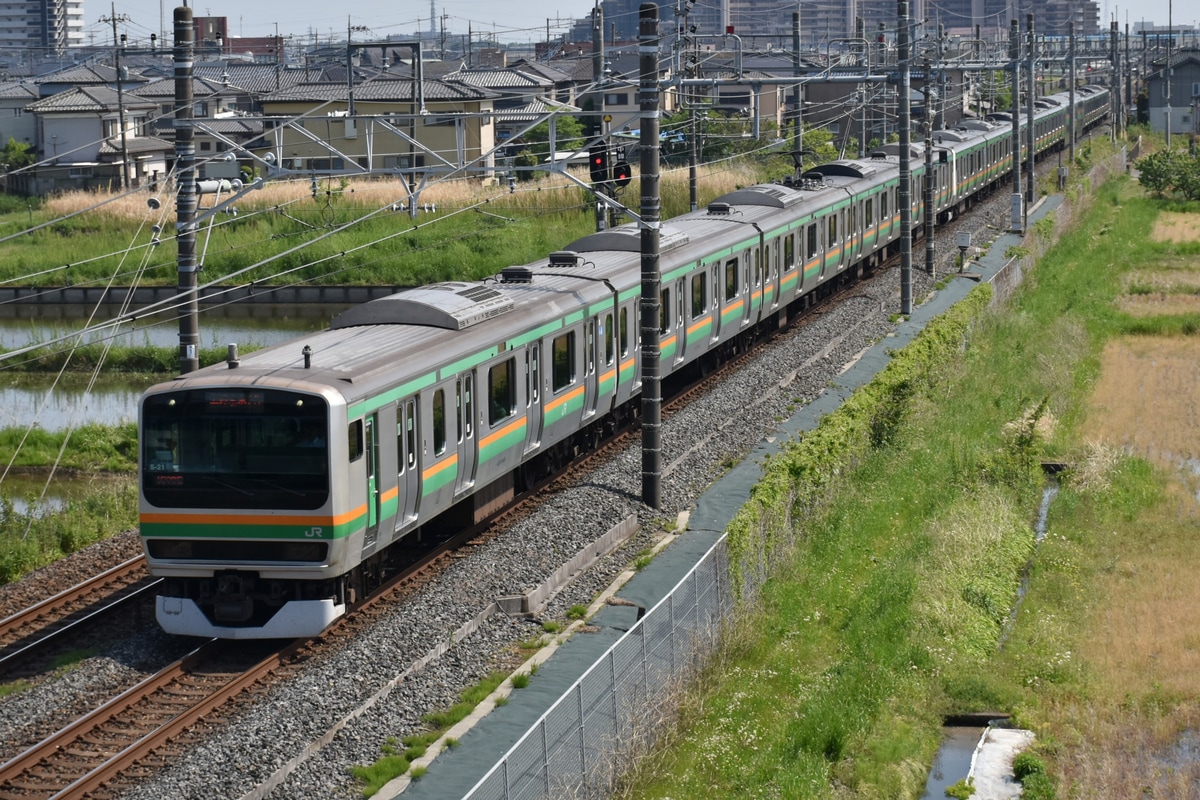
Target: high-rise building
<point x="824" y="21"/>
<point x="40" y="27"/>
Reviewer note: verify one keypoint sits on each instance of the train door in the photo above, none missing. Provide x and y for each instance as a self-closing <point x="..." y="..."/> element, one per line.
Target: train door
<point x="439" y="460"/>
<point x="680" y="320"/>
<point x="714" y="281"/>
<point x="464" y="389"/>
<point x="533" y="396"/>
<point x="371" y="451"/>
<point x="811" y="261"/>
<point x="408" y="474"/>
<point x="775" y="252"/>
<point x="751" y="280"/>
<point x="831" y="244"/>
<point x="732" y="283"/>
<point x="590" y="343"/>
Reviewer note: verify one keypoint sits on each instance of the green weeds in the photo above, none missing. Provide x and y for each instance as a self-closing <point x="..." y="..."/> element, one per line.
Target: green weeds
<point x="909" y="516"/>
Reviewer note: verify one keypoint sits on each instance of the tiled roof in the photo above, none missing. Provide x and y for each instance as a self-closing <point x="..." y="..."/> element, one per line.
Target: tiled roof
<point x="165" y="89"/>
<point x="134" y="145"/>
<point x="533" y="110"/>
<point x="18" y="90"/>
<point x="88" y="98"/>
<point x="544" y="70"/>
<point x="377" y="90"/>
<point x="87" y="74"/>
<point x="502" y="79"/>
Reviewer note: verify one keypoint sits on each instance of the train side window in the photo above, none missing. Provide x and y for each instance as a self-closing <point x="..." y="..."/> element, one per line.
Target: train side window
<point x="564" y="360"/>
<point x="731" y="278"/>
<point x="624" y="335"/>
<point x="811" y="251"/>
<point x="502" y="391"/>
<point x="664" y="311"/>
<point x="699" y="294"/>
<point x="868" y="213"/>
<point x="609" y="344"/>
<point x="789" y="253"/>
<point x="833" y="226"/>
<point x="439" y="422"/>
<point x="883" y="204"/>
<point x="757" y="266"/>
<point x="354" y="439"/>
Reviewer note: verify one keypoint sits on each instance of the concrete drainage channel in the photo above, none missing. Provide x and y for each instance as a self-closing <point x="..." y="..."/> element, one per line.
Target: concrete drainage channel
<point x="980" y="747"/>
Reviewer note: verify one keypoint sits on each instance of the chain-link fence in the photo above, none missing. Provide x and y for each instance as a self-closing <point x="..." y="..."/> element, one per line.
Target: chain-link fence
<point x="581" y="745"/>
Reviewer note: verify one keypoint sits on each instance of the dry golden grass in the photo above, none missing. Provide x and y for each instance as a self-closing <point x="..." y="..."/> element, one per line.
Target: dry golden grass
<point x="1147" y="400"/>
<point x="378" y="192"/>
<point x="1159" y="304"/>
<point x="1137" y="732"/>
<point x="1175" y="227"/>
<point x="1173" y="287"/>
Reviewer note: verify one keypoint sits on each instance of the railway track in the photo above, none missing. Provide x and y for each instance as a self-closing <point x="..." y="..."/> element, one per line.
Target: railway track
<point x="115" y="745"/>
<point x="56" y="619"/>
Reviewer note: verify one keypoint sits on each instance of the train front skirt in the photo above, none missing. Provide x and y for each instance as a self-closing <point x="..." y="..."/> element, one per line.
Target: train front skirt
<point x="297" y="619"/>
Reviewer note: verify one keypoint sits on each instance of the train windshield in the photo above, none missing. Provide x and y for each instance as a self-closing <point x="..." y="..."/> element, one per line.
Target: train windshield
<point x="235" y="448"/>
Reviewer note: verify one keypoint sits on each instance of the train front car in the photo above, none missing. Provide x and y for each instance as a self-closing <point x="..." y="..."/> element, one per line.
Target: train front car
<point x="238" y="507"/>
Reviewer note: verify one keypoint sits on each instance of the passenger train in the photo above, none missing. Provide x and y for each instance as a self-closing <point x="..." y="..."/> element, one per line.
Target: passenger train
<point x="272" y="486"/>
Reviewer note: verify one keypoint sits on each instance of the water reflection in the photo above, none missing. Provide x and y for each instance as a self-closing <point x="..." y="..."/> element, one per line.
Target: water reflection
<point x="952" y="762"/>
<point x="25" y="400"/>
<point x="22" y="325"/>
<point x="30" y="492"/>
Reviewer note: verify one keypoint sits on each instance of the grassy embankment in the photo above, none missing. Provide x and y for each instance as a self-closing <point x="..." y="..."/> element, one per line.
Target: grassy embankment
<point x="911" y="513"/>
<point x="537" y="218"/>
<point x="474" y="232"/>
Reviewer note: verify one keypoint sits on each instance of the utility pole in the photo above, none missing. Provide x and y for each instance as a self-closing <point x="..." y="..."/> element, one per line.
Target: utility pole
<point x="598" y="129"/>
<point x="860" y="33"/>
<point x="905" y="124"/>
<point x="930" y="212"/>
<point x="1168" y="72"/>
<point x="651" y="299"/>
<point x="1014" y="62"/>
<point x="797" y="99"/>
<point x="1071" y="91"/>
<point x="1031" y="136"/>
<point x="1114" y="58"/>
<point x="114" y="19"/>
<point x="185" y="200"/>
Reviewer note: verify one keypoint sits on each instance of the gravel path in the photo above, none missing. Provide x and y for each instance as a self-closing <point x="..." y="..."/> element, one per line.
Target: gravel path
<point x="241" y="755"/>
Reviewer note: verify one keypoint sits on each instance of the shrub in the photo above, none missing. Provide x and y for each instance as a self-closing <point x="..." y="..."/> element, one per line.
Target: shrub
<point x="1026" y="764"/>
<point x="961" y="790"/>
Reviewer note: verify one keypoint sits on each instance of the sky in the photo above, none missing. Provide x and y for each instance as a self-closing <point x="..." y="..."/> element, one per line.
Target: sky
<point x="509" y="20"/>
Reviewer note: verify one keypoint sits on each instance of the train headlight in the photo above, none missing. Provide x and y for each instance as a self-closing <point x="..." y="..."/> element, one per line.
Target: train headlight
<point x="309" y="552"/>
<point x="170" y="548"/>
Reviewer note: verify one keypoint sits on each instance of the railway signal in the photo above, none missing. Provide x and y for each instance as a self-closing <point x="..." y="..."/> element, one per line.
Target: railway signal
<point x="598" y="163"/>
<point x="622" y="174"/>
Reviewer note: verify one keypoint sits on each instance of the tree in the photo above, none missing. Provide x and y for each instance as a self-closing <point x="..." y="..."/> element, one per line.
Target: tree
<point x="568" y="136"/>
<point x="16" y="155"/>
<point x="1170" y="171"/>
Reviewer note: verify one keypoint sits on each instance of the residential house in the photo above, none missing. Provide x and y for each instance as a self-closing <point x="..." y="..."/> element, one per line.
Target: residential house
<point x="219" y="125"/>
<point x="15" y="121"/>
<point x="522" y="98"/>
<point x="80" y="132"/>
<point x="1185" y="93"/>
<point x="311" y="128"/>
